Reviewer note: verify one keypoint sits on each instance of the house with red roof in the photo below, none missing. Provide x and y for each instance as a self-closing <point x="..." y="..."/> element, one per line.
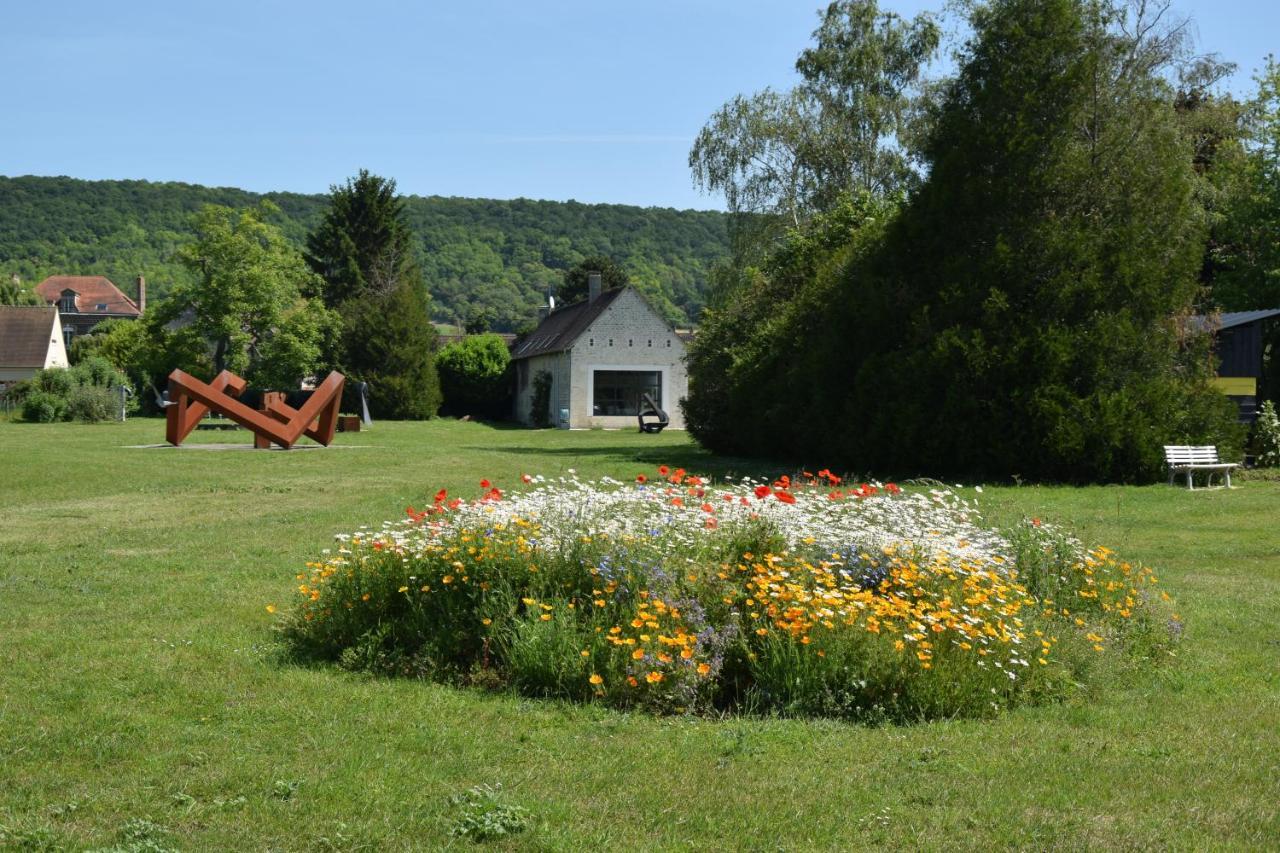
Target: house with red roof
<point x="30" y="340"/>
<point x="84" y="301"/>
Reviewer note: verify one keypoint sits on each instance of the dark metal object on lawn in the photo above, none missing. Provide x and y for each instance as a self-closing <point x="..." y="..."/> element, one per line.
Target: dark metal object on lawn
<point x="649" y="409"/>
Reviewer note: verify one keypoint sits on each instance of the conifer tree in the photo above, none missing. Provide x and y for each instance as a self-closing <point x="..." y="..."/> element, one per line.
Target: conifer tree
<point x="363" y="251"/>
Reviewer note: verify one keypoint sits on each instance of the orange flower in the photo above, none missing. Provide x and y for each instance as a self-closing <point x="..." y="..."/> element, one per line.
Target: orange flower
<point x="653" y="677"/>
<point x="785" y="497"/>
<point x="704" y="668"/>
<point x="595" y="679"/>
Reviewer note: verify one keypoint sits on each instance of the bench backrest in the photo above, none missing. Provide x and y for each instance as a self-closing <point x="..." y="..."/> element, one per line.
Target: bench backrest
<point x="1177" y="454"/>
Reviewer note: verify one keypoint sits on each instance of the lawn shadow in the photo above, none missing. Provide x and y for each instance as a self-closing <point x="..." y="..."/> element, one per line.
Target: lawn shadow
<point x="693" y="459"/>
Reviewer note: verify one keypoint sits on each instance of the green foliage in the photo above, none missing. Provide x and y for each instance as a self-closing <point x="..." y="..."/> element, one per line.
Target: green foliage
<point x="1266" y="437"/>
<point x="797" y="152"/>
<point x="482" y="815"/>
<point x="361" y="244"/>
<point x="87" y="392"/>
<point x="13" y="293"/>
<point x="389" y="342"/>
<point x="249" y="303"/>
<point x="474" y="253"/>
<point x="540" y="400"/>
<point x="474" y="376"/>
<point x="44" y="407"/>
<point x="1037" y="339"/>
<point x="362" y="251"/>
<point x="574" y="288"/>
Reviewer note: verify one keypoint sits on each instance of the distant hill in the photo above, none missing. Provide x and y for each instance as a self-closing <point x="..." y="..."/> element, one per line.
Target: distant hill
<point x="502" y="255"/>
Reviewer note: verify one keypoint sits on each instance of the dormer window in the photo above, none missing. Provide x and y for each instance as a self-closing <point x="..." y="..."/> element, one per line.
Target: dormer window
<point x="102" y="306"/>
<point x="67" y="304"/>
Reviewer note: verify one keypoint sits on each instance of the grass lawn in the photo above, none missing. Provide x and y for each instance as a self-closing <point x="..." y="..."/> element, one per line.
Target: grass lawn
<point x="139" y="679"/>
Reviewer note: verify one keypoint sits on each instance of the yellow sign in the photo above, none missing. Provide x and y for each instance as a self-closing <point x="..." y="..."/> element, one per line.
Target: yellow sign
<point x="1237" y="386"/>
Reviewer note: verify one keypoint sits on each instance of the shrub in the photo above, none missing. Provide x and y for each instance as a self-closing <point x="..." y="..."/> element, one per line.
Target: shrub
<point x="87" y="392"/>
<point x="540" y="403"/>
<point x="44" y="407"/>
<point x="1266" y="437"/>
<point x="92" y="404"/>
<point x="473" y="376"/>
<point x="681" y="596"/>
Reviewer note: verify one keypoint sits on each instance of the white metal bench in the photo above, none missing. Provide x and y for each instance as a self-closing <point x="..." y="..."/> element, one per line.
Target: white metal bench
<point x="1189" y="459"/>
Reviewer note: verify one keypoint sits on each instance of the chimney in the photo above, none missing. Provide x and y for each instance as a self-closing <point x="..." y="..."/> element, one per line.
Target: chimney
<point x="142" y="294"/>
<point x="593" y="286"/>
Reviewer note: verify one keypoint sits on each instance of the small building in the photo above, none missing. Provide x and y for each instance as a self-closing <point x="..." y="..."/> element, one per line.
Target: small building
<point x="1239" y="339"/>
<point x="84" y="301"/>
<point x="601" y="355"/>
<point x="30" y="340"/>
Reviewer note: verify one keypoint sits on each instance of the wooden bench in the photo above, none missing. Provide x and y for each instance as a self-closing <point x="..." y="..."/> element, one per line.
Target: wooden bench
<point x="1185" y="458"/>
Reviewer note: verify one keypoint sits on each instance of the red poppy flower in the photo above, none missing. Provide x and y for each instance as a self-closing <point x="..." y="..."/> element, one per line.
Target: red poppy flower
<point x="441" y="495"/>
<point x="664" y="470"/>
<point x="762" y="492"/>
<point x="484" y="484"/>
<point x="677" y="501"/>
<point x="641" y="478"/>
<point x="892" y="488"/>
<point x="711" y="523"/>
<point x="785" y="497"/>
<point x="708" y="508"/>
<point x="455" y="503"/>
<point x="526" y="478"/>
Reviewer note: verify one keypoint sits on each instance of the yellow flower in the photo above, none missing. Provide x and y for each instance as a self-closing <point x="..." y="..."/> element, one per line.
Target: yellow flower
<point x="704" y="668"/>
<point x="364" y="597"/>
<point x="596" y="679"/>
<point x="637" y="654"/>
<point x="546" y="617"/>
<point x="404" y="589"/>
<point x="585" y="653"/>
<point x="653" y="677"/>
<point x="447" y="579"/>
<point x="486" y="621"/>
<point x="271" y="608"/>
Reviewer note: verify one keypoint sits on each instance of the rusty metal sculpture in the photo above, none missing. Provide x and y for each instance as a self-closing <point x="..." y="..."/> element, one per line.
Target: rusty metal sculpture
<point x="190" y="399"/>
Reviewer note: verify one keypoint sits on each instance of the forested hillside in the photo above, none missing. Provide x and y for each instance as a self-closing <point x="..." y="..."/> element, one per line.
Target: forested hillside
<point x="475" y="253"/>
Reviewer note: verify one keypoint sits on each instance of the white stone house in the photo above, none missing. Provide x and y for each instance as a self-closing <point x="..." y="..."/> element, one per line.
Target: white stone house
<point x="602" y="355"/>
<point x="30" y="340"/>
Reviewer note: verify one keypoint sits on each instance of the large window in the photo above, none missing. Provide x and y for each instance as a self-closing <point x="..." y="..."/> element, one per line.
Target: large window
<point x="618" y="392"/>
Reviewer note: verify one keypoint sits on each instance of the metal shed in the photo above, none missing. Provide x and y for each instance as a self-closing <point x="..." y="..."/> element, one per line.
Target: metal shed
<point x="1240" y="344"/>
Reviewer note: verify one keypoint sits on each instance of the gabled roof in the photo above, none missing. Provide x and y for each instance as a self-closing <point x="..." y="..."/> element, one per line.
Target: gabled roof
<point x="563" y="326"/>
<point x="1241" y="318"/>
<point x="26" y="333"/>
<point x="91" y="291"/>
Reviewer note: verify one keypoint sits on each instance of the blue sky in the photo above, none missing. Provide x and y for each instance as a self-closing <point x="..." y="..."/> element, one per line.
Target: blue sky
<point x="597" y="101"/>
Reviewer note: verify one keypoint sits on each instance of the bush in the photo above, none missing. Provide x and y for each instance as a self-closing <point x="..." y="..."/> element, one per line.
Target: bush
<point x="87" y="392"/>
<point x="540" y="401"/>
<point x="44" y="407"/>
<point x="797" y="598"/>
<point x="473" y="376"/>
<point x="1266" y="437"/>
<point x="92" y="404"/>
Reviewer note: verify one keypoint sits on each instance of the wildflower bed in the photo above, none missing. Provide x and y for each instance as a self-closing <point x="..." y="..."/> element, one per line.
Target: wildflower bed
<point x="681" y="595"/>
